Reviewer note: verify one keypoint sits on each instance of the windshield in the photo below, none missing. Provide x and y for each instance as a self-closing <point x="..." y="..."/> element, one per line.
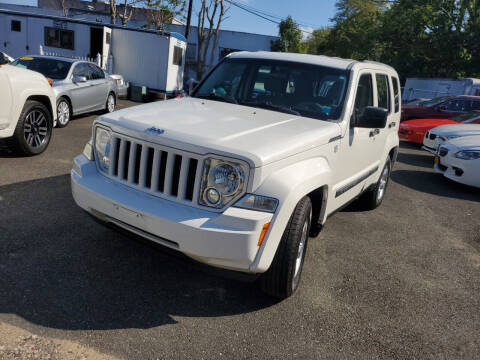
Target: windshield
<point x="434" y="101"/>
<point x="51" y="68"/>
<point x="300" y="89"/>
<point x="468" y="117"/>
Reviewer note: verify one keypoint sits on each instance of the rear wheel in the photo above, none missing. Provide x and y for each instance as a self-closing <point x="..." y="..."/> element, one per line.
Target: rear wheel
<point x="283" y="277"/>
<point x="34" y="129"/>
<point x="64" y="112"/>
<point x="372" y="199"/>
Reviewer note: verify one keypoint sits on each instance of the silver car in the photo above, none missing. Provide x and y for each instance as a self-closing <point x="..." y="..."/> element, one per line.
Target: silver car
<point x="79" y="86"/>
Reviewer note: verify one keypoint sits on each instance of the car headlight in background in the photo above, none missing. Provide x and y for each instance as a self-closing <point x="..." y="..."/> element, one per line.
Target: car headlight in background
<point x="468" y="155"/>
<point x="222" y="182"/>
<point x="102" y="147"/>
<point x="257" y="202"/>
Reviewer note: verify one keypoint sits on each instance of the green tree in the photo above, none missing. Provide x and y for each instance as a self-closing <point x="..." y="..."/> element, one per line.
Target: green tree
<point x="290" y="37"/>
<point x="318" y="42"/>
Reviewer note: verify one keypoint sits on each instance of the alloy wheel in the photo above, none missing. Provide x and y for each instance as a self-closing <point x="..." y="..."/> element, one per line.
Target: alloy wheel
<point x="111" y="103"/>
<point x="35" y="128"/>
<point x="63" y="113"/>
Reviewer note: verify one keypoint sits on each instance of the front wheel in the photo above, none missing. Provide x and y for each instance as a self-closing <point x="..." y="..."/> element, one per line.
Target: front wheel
<point x="110" y="105"/>
<point x="282" y="279"/>
<point x="34" y="129"/>
<point x="64" y="113"/>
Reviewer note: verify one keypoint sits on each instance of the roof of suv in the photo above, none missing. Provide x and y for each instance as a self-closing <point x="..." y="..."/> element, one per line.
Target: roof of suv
<point x="321" y="60"/>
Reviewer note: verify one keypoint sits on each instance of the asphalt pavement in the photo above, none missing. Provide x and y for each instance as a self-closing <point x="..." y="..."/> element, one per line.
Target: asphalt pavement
<point x="399" y="282"/>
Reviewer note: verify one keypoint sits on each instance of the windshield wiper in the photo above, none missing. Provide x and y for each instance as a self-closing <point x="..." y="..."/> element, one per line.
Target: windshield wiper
<point x="213" y="96"/>
<point x="268" y="106"/>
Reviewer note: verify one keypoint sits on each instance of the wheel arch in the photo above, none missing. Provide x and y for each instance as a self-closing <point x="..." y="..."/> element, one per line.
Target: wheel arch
<point x="43" y="99"/>
<point x="289" y="185"/>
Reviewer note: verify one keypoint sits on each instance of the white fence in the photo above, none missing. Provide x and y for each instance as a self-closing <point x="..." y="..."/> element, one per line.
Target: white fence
<point x="98" y="60"/>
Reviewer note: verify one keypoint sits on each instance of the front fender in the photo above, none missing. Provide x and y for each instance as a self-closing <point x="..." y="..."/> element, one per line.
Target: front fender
<point x="288" y="185"/>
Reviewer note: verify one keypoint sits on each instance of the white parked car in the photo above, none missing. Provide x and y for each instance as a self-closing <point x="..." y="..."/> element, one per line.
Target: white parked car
<point x="459" y="160"/>
<point x="435" y="137"/>
<point x="239" y="175"/>
<point x="27" y="105"/>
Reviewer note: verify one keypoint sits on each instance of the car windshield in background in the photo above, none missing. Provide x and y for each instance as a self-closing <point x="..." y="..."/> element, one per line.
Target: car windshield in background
<point x="468" y="117"/>
<point x="51" y="68"/>
<point x="434" y="101"/>
<point x="293" y="88"/>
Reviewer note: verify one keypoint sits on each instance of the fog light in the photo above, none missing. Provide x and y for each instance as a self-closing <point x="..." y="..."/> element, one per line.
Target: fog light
<point x="213" y="196"/>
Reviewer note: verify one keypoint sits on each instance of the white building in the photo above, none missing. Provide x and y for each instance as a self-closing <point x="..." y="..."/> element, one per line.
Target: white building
<point x="135" y="52"/>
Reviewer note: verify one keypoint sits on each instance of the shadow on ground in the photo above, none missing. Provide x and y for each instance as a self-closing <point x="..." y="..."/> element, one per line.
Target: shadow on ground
<point x="60" y="269"/>
<point x="435" y="184"/>
<point x="421" y="160"/>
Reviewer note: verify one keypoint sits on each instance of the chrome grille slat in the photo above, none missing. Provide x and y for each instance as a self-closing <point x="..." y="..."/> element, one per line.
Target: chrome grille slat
<point x="146" y="166"/>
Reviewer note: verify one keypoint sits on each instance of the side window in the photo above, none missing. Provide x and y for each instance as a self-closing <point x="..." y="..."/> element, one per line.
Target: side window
<point x="456" y="105"/>
<point x="396" y="92"/>
<point x="97" y="73"/>
<point x="383" y="92"/>
<point x="475" y="106"/>
<point x="364" y="95"/>
<point x="177" y="55"/>
<point x="82" y="69"/>
<point x="16" y="25"/>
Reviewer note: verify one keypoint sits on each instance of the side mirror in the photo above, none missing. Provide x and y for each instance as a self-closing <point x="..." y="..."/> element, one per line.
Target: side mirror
<point x="193" y="85"/>
<point x="372" y="118"/>
<point x="79" y="79"/>
<point x="442" y="107"/>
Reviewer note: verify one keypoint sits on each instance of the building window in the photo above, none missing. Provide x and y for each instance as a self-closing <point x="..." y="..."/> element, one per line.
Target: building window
<point x="177" y="55"/>
<point x="59" y="38"/>
<point x="16" y="25"/>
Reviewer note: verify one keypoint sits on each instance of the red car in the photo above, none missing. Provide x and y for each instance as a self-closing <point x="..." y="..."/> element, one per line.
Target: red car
<point x="443" y="107"/>
<point x="414" y="130"/>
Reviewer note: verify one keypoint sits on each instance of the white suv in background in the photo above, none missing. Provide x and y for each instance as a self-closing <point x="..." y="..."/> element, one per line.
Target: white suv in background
<point x="239" y="175"/>
<point x="27" y="105"/>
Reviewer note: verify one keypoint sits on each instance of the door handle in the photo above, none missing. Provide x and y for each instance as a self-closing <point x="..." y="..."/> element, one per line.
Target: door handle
<point x="374" y="132"/>
<point x="392" y="124"/>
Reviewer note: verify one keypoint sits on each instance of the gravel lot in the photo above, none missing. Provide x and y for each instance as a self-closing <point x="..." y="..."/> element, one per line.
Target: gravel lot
<point x="399" y="282"/>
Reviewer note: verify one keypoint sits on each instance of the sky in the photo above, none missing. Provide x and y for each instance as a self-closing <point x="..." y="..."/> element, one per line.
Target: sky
<point x="310" y="14"/>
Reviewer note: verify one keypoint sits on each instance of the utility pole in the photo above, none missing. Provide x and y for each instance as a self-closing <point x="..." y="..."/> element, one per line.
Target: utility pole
<point x="189" y="17"/>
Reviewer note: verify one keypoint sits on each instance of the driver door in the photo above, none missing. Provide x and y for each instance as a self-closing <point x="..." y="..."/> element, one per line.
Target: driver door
<point x="82" y="96"/>
<point x="359" y="153"/>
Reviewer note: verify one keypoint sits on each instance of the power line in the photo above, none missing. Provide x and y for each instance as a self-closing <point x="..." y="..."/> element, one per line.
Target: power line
<point x="259" y="14"/>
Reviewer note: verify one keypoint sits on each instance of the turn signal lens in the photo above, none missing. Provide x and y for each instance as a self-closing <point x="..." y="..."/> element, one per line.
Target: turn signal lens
<point x="263" y="234"/>
<point x="50" y="81"/>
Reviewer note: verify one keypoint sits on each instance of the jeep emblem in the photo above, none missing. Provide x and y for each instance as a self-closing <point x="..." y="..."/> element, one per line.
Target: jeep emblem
<point x="155" y="131"/>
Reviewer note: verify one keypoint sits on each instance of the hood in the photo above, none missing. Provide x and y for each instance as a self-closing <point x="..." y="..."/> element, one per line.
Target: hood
<point x="427" y="123"/>
<point x="204" y="126"/>
<point x="466" y="143"/>
<point x="454" y="129"/>
<point x="18" y="72"/>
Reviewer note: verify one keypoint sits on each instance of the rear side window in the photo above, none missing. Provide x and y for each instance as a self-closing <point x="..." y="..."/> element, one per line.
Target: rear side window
<point x="97" y="73"/>
<point x="396" y="92"/>
<point x="383" y="92"/>
<point x="364" y="96"/>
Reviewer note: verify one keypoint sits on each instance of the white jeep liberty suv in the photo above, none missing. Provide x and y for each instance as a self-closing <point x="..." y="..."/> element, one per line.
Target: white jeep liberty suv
<point x="242" y="172"/>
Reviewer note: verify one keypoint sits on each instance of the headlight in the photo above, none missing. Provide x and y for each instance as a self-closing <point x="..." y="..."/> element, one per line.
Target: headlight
<point x="222" y="182"/>
<point x="257" y="202"/>
<point x="468" y="155"/>
<point x="102" y="147"/>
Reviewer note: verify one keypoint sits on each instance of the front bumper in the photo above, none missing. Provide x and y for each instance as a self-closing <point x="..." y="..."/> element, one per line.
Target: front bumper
<point x="461" y="171"/>
<point x="226" y="240"/>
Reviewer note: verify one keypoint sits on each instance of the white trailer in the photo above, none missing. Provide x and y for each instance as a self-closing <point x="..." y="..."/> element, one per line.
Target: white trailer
<point x="424" y="88"/>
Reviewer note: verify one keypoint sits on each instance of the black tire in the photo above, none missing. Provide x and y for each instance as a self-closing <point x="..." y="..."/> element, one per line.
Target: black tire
<point x="109" y="97"/>
<point x="63" y="101"/>
<point x="372" y="198"/>
<point x="281" y="280"/>
<point x="21" y="141"/>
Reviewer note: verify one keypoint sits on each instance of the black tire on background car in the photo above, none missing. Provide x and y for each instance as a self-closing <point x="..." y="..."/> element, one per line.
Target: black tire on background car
<point x="372" y="198"/>
<point x="64" y="112"/>
<point x="110" y="104"/>
<point x="281" y="280"/>
<point x="34" y="129"/>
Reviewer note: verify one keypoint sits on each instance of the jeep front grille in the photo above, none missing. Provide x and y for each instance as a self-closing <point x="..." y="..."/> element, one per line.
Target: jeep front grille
<point x="161" y="171"/>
